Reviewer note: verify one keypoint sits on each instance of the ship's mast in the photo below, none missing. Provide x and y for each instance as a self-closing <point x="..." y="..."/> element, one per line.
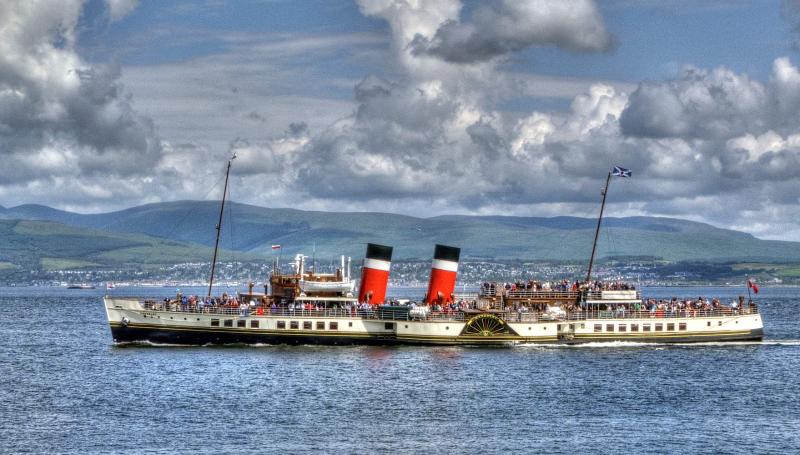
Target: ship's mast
<point x="219" y="225"/>
<point x="597" y="231"/>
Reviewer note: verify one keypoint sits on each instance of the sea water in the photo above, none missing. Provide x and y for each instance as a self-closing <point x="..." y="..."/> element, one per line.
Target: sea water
<point x="66" y="388"/>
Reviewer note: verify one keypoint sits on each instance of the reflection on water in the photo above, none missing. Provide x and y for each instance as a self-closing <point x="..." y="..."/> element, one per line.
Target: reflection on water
<point x="64" y="387"/>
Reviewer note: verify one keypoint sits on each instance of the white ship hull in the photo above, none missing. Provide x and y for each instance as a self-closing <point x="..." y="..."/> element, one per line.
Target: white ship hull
<point x="130" y="321"/>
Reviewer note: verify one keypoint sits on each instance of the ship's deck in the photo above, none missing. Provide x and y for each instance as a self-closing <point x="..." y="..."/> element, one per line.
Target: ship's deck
<point x="405" y="314"/>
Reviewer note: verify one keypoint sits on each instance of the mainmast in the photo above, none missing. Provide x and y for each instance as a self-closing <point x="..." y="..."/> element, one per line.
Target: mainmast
<point x="219" y="225"/>
<point x="597" y="231"/>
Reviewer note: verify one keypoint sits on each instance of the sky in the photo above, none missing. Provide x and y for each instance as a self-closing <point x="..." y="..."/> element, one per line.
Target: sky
<point x="418" y="107"/>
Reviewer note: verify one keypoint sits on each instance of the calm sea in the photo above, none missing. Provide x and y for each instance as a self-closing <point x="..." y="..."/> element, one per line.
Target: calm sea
<point x="64" y="387"/>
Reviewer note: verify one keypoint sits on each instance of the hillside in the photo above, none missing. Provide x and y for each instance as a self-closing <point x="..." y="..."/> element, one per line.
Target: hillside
<point x="47" y="245"/>
<point x="254" y="229"/>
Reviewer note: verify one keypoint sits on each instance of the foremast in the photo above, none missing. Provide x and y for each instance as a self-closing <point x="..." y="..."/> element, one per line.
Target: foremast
<point x="597" y="230"/>
<point x="219" y="225"/>
<point x="619" y="172"/>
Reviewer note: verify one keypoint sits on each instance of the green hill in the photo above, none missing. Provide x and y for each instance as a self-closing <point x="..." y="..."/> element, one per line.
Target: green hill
<point x="47" y="245"/>
<point x="253" y="229"/>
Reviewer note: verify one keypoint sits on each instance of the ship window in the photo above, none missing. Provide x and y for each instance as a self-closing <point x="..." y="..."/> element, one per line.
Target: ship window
<point x="215" y="323"/>
<point x="645" y="327"/>
<point x="598" y="327"/>
<point x="659" y="327"/>
<point x="320" y="325"/>
<point x="622" y="328"/>
<point x="306" y="325"/>
<point x="389" y="326"/>
<point x="634" y="327"/>
<point x="228" y="323"/>
<point x="708" y="323"/>
<point x="253" y="324"/>
<point x="349" y="324"/>
<point x="281" y="324"/>
<point x="719" y="322"/>
<point x="670" y="326"/>
<point x="682" y="326"/>
<point x="583" y="326"/>
<point x="241" y="323"/>
<point x="609" y="327"/>
<point x="294" y="325"/>
<point x="334" y="325"/>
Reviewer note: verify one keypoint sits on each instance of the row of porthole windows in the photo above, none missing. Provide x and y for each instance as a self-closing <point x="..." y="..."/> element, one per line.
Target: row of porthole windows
<point x="293" y="325"/>
<point x="646" y="327"/>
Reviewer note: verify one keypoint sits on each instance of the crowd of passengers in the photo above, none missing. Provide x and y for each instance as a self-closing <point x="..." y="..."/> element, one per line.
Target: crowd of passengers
<point x="233" y="305"/>
<point x="491" y="288"/>
<point x="649" y="308"/>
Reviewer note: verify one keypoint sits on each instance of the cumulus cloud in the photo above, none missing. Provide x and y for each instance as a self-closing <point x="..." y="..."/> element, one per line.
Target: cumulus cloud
<point x="505" y="26"/>
<point x="703" y="146"/>
<point x="701" y="103"/>
<point x="59" y="115"/>
<point x="426" y="138"/>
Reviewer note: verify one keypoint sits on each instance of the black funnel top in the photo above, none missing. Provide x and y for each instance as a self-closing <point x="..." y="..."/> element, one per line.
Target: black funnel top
<point x="381" y="252"/>
<point x="446" y="253"/>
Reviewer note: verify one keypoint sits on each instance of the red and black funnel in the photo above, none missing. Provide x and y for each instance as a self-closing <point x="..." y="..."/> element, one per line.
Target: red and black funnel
<point x="443" y="274"/>
<point x="375" y="274"/>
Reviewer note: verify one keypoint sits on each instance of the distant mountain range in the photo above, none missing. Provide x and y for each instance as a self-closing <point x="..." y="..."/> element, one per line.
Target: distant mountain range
<point x="184" y="231"/>
<point x="47" y="245"/>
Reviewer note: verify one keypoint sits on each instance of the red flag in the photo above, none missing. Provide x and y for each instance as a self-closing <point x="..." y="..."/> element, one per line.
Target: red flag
<point x="752" y="286"/>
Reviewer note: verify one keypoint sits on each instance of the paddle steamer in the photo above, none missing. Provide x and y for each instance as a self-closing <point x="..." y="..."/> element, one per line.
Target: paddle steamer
<point x="304" y="307"/>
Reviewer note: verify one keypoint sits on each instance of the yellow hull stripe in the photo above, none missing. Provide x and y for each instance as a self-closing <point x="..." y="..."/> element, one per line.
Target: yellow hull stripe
<point x="435" y="338"/>
<point x="662" y="334"/>
<point x="247" y="331"/>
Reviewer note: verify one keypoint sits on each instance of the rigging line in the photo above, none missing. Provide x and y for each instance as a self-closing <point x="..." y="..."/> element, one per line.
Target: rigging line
<point x="189" y="211"/>
<point x="106" y="226"/>
<point x="611" y="246"/>
<point x="230" y="220"/>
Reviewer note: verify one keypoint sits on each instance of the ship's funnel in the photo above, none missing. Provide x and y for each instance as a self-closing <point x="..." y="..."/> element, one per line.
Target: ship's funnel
<point x="375" y="274"/>
<point x="443" y="274"/>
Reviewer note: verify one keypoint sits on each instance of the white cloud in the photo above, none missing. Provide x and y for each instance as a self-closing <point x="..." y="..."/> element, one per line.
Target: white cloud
<point x="58" y="113"/>
<point x="501" y="27"/>
<point x="426" y="136"/>
<point x="117" y="9"/>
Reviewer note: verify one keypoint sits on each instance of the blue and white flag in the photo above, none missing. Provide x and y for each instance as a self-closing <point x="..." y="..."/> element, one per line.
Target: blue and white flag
<point x="620" y="172"/>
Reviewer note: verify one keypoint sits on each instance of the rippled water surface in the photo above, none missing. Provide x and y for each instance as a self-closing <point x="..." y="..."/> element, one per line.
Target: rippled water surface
<point x="65" y="388"/>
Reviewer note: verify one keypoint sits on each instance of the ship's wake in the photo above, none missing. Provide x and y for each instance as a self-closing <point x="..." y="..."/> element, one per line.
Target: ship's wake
<point x="637" y="344"/>
<point x="151" y="344"/>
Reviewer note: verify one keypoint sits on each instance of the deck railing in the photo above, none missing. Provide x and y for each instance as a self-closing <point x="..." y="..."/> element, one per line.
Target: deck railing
<point x="403" y="314"/>
<point x="535" y="316"/>
<point x="557" y="295"/>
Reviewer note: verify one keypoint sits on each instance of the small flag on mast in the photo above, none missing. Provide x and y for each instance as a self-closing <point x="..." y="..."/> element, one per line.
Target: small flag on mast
<point x="276" y="247"/>
<point x="752" y="285"/>
<point x="620" y="172"/>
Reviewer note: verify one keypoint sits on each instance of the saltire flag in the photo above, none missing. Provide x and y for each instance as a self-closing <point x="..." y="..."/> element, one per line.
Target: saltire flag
<point x="752" y="285"/>
<point x="620" y="172"/>
<point x="276" y="247"/>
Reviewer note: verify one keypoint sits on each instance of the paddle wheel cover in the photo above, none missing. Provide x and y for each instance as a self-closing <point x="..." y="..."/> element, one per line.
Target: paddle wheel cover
<point x="487" y="325"/>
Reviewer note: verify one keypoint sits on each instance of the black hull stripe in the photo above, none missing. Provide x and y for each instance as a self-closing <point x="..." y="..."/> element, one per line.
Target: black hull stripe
<point x="190" y="336"/>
